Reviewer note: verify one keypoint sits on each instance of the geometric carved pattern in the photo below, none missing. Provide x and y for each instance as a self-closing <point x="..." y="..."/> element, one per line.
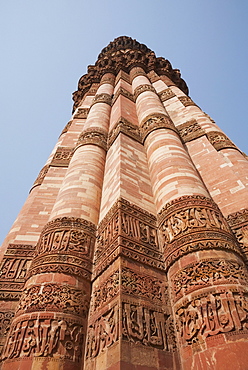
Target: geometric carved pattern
<point x="13" y="270"/>
<point x="220" y="140"/>
<point x="186" y="101"/>
<point x="207" y="273"/>
<point x="166" y="94"/>
<point x="54" y="297"/>
<point x="45" y="335"/>
<point x="94" y="136"/>
<point x="65" y="245"/>
<point x="125" y="127"/>
<point x="211" y="313"/>
<point x="130" y="231"/>
<point x="190" y="130"/>
<point x="154" y="122"/>
<point x="192" y="223"/>
<point x="62" y="157"/>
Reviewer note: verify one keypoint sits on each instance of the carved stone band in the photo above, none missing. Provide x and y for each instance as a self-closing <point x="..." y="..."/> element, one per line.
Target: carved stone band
<point x="53" y="335"/>
<point x="142" y="88"/>
<point x="125" y="127"/>
<point x="130" y="283"/>
<point x="213" y="312"/>
<point x="68" y="125"/>
<point x="14" y="269"/>
<point x="94" y="136"/>
<point x="154" y="122"/>
<point x="54" y="297"/>
<point x="102" y="98"/>
<point x="207" y="273"/>
<point x="41" y="176"/>
<point x="220" y="140"/>
<point x="190" y="130"/>
<point x="123" y="92"/>
<point x="166" y="94"/>
<point x="67" y="242"/>
<point x="81" y="113"/>
<point x="108" y="80"/>
<point x="192" y="223"/>
<point x="238" y="223"/>
<point x="129" y="231"/>
<point x="186" y="101"/>
<point x="62" y="157"/>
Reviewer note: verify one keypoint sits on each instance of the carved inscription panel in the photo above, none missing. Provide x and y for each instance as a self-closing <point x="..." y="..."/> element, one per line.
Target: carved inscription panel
<point x="212" y="313"/>
<point x="44" y="337"/>
<point x="145" y="326"/>
<point x="194" y="214"/>
<point x="103" y="332"/>
<point x="67" y="234"/>
<point x="130" y="222"/>
<point x="14" y="269"/>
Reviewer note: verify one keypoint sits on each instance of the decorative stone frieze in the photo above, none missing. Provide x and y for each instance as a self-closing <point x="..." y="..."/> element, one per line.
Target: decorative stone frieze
<point x="153" y="77"/>
<point x="154" y="122"/>
<point x="123" y="92"/>
<point x="186" y="101"/>
<point x="41" y="176"/>
<point x="106" y="79"/>
<point x="66" y="245"/>
<point x="166" y="94"/>
<point x="68" y="125"/>
<point x="54" y="297"/>
<point x="142" y="88"/>
<point x="14" y="269"/>
<point x="94" y="136"/>
<point x="220" y="140"/>
<point x="192" y="223"/>
<point x="103" y="332"/>
<point x="206" y="273"/>
<point x="238" y="223"/>
<point x="102" y="98"/>
<point x="190" y="130"/>
<point x="81" y="113"/>
<point x="45" y="335"/>
<point x="125" y="127"/>
<point x="130" y="231"/>
<point x="62" y="157"/>
<point x="210" y="313"/>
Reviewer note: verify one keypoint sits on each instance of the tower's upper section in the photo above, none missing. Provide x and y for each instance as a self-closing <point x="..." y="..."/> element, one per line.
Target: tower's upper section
<point x="124" y="53"/>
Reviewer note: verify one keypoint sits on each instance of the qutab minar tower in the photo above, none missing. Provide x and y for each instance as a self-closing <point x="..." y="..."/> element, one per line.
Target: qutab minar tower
<point x="130" y="252"/>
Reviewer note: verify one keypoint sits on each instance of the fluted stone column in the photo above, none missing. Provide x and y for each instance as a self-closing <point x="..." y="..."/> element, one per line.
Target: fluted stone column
<point x="208" y="301"/>
<point x="49" y="328"/>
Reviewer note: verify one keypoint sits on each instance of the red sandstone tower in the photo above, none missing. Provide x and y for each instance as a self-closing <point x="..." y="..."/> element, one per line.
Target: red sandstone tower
<point x="130" y="252"/>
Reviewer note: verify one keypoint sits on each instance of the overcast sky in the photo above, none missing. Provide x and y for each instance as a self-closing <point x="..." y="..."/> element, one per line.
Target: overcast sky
<point x="47" y="45"/>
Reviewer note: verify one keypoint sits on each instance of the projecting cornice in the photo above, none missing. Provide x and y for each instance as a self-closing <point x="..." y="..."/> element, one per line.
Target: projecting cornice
<point x="124" y="53"/>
